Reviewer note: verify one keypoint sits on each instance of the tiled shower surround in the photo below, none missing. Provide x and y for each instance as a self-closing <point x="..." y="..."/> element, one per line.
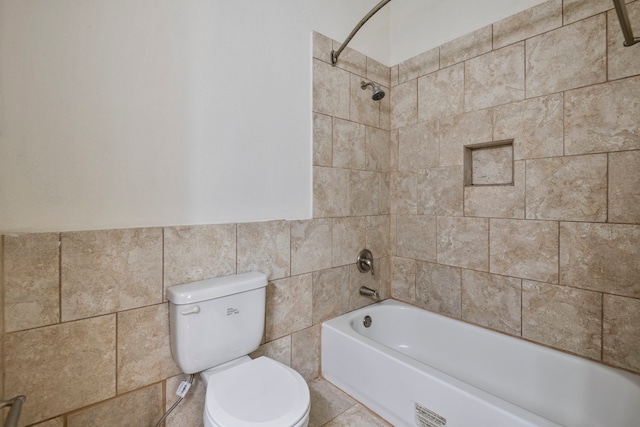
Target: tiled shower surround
<point x="553" y="258"/>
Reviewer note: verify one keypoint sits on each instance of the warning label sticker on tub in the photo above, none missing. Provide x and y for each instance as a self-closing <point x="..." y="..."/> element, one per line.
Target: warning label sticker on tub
<point x="428" y="418"/>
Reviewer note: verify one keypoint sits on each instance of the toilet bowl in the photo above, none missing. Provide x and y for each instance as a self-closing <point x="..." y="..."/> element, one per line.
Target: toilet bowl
<point x="256" y="393"/>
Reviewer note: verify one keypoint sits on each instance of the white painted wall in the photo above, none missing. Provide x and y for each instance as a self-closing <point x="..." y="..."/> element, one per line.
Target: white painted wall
<point x="127" y="113"/>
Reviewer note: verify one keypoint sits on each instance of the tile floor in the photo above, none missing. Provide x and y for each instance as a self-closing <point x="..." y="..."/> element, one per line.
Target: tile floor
<point x="331" y="407"/>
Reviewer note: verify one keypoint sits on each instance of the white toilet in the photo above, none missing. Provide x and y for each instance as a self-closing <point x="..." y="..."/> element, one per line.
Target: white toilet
<point x="215" y="323"/>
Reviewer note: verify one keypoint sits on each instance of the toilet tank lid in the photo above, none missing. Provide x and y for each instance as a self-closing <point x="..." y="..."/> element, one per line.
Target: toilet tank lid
<point x="216" y="287"/>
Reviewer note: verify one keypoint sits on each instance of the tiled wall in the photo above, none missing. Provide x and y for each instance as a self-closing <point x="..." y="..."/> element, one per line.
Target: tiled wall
<point x="86" y="327"/>
<point x="553" y="258"/>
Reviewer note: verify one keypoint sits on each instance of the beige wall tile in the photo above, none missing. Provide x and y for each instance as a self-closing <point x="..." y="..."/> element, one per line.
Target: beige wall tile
<point x="603" y="117"/>
<point x="110" y="270"/>
<point x="492" y="165"/>
<point x="463" y="242"/>
<point x="582" y="63"/>
<point x="498" y="201"/>
<point x="416" y="236"/>
<point x="535" y="125"/>
<point x="424" y="63"/>
<point x="404" y="104"/>
<point x="331" y="94"/>
<point x="198" y="252"/>
<point x="440" y="191"/>
<point x="31" y="277"/>
<point x="466" y="47"/>
<point x="492" y="301"/>
<point x="384" y="193"/>
<point x="278" y="349"/>
<point x="62" y="367"/>
<point x="322" y="140"/>
<point x="190" y="411"/>
<point x="395" y="75"/>
<point x="600" y="257"/>
<point x="144" y="350"/>
<point x="562" y="317"/>
<point x="305" y="352"/>
<point x="394" y="154"/>
<point x="327" y="401"/>
<point x="403" y="279"/>
<point x="322" y="47"/>
<point x="349" y="238"/>
<point x="418" y="147"/>
<point x="385" y="110"/>
<point x="379" y="281"/>
<point x="464" y="129"/>
<point x="527" y="249"/>
<point x="311" y="245"/>
<point x="363" y="108"/>
<point x="623" y="61"/>
<point x="494" y="78"/>
<point x="377" y="240"/>
<point x="330" y="192"/>
<point x="624" y="187"/>
<point x="330" y="293"/>
<point x="528" y="23"/>
<point x="56" y="422"/>
<point x="441" y="93"/>
<point x="364" y="192"/>
<point x="567" y="188"/>
<point x="140" y="408"/>
<point x="289" y="306"/>
<point x="348" y="144"/>
<point x="575" y="10"/>
<point x="621" y="340"/>
<point x="351" y="60"/>
<point x="404" y="193"/>
<point x="438" y="288"/>
<point x="377" y="149"/>
<point x="265" y="247"/>
<point x="378" y="72"/>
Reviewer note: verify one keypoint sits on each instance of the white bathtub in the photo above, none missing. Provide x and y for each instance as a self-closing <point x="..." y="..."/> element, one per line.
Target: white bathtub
<point x="416" y="368"/>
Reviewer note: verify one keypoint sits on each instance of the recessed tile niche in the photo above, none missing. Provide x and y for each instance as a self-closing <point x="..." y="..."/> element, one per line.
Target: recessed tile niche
<point x="489" y="163"/>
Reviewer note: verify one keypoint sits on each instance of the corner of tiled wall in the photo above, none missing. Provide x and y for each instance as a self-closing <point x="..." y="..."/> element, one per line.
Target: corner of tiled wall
<point x="551" y="257"/>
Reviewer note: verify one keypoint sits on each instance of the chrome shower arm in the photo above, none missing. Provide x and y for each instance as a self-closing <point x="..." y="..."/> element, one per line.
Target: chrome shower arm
<point x="336" y="53"/>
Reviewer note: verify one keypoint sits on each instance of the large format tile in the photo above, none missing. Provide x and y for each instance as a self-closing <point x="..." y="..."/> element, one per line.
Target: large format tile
<point x="424" y="63"/>
<point x="440" y="191"/>
<point x="555" y="62"/>
<point x="416" y="236"/>
<point x="491" y="300"/>
<point x="404" y="193"/>
<point x="349" y="238"/>
<point x="198" y="252"/>
<point x="331" y="93"/>
<point x="494" y="78"/>
<point x="144" y="351"/>
<point x="575" y="10"/>
<point x="363" y="108"/>
<point x="624" y="187"/>
<point x="527" y="249"/>
<point x="327" y="402"/>
<point x="403" y="279"/>
<point x="461" y="130"/>
<point x="364" y="192"/>
<point x="603" y="118"/>
<point x="289" y="306"/>
<point x="567" y="188"/>
<point x="600" y="257"/>
<point x="265" y="247"/>
<point x="330" y="192"/>
<point x="330" y="293"/>
<point x="377" y="149"/>
<point x="562" y="317"/>
<point x="463" y="242"/>
<point x="438" y="288"/>
<point x="621" y="340"/>
<point x="536" y="20"/>
<point x="623" y="61"/>
<point x="322" y="140"/>
<point x="305" y="352"/>
<point x="535" y="125"/>
<point x="441" y="93"/>
<point x="107" y="271"/>
<point x="404" y="104"/>
<point x="31" y="280"/>
<point x="348" y="144"/>
<point x="139" y="408"/>
<point x="357" y="416"/>
<point x="418" y="147"/>
<point x="466" y="47"/>
<point x="311" y="245"/>
<point x="497" y="201"/>
<point x="62" y="367"/>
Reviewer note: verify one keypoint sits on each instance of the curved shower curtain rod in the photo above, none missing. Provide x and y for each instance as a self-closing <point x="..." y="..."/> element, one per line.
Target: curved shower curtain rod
<point x="336" y="53"/>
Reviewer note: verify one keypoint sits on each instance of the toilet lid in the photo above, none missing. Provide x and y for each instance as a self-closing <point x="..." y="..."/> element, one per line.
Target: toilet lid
<point x="259" y="393"/>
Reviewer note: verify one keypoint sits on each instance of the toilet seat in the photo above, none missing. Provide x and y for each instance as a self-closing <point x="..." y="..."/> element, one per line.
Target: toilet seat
<point x="258" y="393"/>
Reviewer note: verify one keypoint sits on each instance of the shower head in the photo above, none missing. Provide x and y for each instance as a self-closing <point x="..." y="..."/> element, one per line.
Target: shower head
<point x="378" y="93"/>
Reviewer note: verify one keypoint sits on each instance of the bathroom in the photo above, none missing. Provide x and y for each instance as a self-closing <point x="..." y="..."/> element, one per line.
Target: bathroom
<point x="87" y="255"/>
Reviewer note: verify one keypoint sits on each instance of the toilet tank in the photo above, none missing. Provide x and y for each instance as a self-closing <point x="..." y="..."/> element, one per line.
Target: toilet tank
<point x="216" y="320"/>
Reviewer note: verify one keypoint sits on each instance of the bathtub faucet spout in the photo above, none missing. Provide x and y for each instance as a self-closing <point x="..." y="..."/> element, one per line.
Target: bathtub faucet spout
<point x="368" y="292"/>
